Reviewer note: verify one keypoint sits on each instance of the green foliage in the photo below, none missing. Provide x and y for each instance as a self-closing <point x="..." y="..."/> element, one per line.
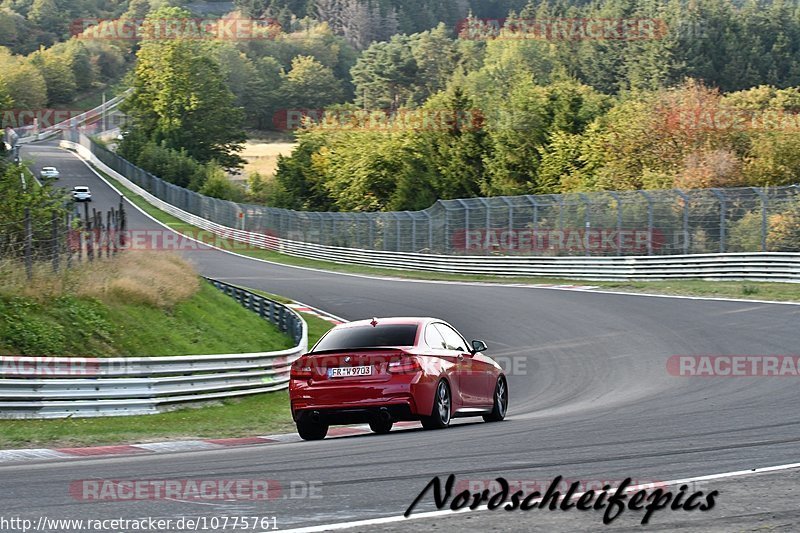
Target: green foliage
<point x="58" y="75"/>
<point x="180" y="99"/>
<point x="23" y="81"/>
<point x="25" y="329"/>
<point x="217" y="184"/>
<point x="310" y="85"/>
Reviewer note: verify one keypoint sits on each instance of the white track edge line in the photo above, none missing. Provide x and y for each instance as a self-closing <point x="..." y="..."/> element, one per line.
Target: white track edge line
<point x="448" y="513"/>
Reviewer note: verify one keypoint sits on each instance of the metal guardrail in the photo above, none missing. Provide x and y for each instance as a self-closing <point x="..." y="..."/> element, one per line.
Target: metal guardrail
<point x="35" y="387"/>
<point x="76" y="121"/>
<point x="766" y="266"/>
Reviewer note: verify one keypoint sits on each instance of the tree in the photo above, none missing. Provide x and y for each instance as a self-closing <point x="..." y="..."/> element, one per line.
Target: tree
<point x="58" y="76"/>
<point x="180" y="99"/>
<point x="137" y="9"/>
<point x="311" y="85"/>
<point x="6" y="102"/>
<point x="386" y="75"/>
<point x="23" y="81"/>
<point x="217" y="184"/>
<point x="436" y="56"/>
<point x="47" y="15"/>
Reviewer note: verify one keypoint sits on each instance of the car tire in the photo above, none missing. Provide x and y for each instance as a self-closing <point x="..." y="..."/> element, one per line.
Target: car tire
<point x="381" y="427"/>
<point x="500" y="406"/>
<point x="310" y="431"/>
<point x="441" y="413"/>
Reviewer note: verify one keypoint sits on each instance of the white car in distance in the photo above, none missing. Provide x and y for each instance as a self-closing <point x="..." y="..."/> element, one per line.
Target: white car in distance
<point x="49" y="173"/>
<point x="81" y="193"/>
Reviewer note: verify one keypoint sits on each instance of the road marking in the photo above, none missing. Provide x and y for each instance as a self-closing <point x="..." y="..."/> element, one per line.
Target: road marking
<point x="448" y="513"/>
<point x="405" y="280"/>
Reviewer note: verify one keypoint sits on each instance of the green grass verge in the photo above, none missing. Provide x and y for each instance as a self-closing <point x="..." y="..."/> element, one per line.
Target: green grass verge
<point x="243" y="417"/>
<point x="209" y="322"/>
<point x="690" y="287"/>
<point x="256" y="415"/>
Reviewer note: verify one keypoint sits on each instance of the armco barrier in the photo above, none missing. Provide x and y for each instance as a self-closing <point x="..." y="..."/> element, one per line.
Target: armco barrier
<point x="32" y="387"/>
<point x="764" y="266"/>
<point x="74" y="122"/>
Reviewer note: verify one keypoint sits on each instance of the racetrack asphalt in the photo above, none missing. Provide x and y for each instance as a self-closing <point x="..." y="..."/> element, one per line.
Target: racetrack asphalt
<point x="591" y="399"/>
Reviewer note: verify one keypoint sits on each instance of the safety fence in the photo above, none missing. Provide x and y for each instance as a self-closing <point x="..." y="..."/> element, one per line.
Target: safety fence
<point x="58" y="387"/>
<point x="766" y="266"/>
<point x="598" y="224"/>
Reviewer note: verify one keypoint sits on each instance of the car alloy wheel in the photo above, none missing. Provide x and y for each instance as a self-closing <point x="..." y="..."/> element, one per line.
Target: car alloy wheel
<point x="500" y="406"/>
<point x="440" y="417"/>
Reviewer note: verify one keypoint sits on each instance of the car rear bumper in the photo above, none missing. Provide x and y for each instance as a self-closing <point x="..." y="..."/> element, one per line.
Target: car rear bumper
<point x="344" y="404"/>
<point x="357" y="415"/>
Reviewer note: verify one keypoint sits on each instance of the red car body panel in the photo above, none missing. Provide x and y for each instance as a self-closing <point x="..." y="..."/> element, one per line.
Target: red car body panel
<point x="408" y="393"/>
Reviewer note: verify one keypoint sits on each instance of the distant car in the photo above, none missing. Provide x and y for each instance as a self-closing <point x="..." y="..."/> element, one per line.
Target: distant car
<point x="49" y="173"/>
<point x="389" y="369"/>
<point x="81" y="194"/>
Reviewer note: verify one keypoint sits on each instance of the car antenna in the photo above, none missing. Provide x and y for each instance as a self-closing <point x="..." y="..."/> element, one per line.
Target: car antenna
<point x="374" y="322"/>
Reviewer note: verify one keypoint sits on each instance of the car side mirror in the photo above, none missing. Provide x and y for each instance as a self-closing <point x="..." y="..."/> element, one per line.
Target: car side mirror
<point x="479" y="346"/>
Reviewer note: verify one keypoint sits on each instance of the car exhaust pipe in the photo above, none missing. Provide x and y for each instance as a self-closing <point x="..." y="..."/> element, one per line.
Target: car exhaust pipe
<point x="316" y="417"/>
<point x="385" y="415"/>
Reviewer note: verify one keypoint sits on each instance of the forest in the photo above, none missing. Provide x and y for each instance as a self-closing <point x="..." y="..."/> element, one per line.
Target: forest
<point x="396" y="104"/>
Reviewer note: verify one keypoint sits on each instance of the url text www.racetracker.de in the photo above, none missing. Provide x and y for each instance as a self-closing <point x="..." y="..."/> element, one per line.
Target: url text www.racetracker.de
<point x="500" y="496"/>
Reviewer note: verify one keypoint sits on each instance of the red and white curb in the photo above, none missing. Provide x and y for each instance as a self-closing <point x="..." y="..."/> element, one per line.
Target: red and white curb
<point x="313" y="311"/>
<point x="38" y="454"/>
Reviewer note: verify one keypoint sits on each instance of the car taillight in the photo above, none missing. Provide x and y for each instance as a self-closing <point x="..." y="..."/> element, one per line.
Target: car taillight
<point x="301" y="369"/>
<point x="405" y="366"/>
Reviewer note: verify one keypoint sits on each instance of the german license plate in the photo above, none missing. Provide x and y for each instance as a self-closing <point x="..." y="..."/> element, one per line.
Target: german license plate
<point x="349" y="371"/>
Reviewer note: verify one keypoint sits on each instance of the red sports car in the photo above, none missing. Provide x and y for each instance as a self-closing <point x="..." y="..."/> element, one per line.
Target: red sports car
<point x="389" y="369"/>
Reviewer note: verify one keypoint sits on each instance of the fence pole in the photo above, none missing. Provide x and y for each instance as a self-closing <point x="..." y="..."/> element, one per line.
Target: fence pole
<point x="649" y="222"/>
<point x="87" y="231"/>
<point x="764" y="222"/>
<point x="587" y="221"/>
<point x="54" y="231"/>
<point x="123" y="223"/>
<point x="70" y="244"/>
<point x="28" y="244"/>
<point x="685" y="220"/>
<point x="722" y="229"/>
<point x="108" y="237"/>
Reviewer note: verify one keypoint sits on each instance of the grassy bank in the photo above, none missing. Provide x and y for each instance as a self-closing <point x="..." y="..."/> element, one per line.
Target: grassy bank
<point x="105" y="309"/>
<point x="140" y="304"/>
<point x="256" y="415"/>
<point x="698" y="287"/>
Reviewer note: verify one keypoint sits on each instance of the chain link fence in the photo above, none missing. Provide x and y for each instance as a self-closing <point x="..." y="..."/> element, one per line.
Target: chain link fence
<point x="625" y="223"/>
<point x="47" y="237"/>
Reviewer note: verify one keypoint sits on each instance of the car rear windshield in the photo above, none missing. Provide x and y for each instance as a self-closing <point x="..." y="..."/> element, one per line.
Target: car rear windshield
<point x="368" y="337"/>
<point x="81" y="189"/>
